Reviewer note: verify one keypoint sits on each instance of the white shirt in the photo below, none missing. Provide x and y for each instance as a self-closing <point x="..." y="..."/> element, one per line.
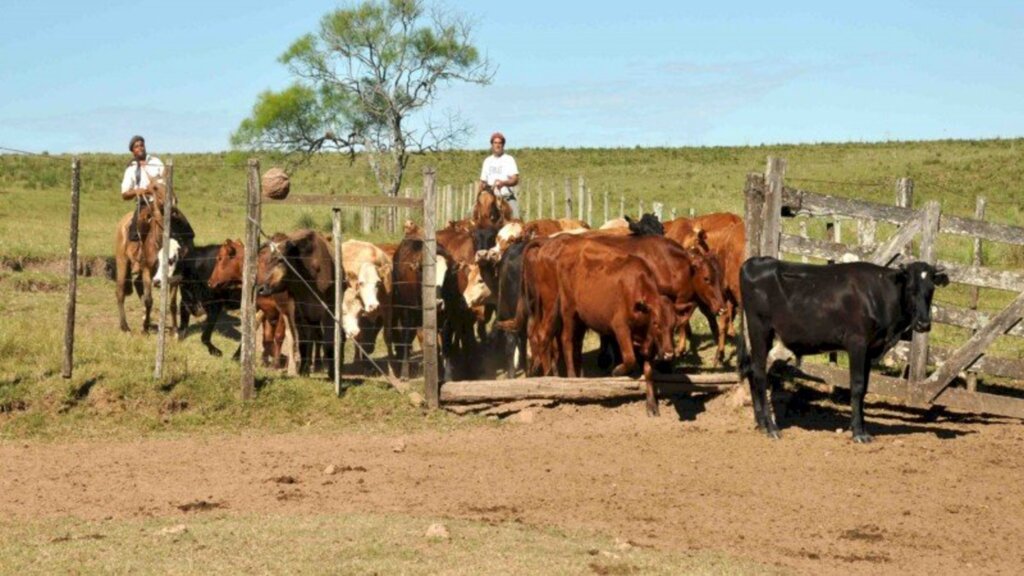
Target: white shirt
<point x="153" y="168"/>
<point x="499" y="168"/>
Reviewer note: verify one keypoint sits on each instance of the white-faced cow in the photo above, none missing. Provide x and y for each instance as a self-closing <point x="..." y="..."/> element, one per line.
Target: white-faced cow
<point x="859" y="307"/>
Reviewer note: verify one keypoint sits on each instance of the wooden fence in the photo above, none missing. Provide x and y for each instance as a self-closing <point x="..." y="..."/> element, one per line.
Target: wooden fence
<point x="768" y="201"/>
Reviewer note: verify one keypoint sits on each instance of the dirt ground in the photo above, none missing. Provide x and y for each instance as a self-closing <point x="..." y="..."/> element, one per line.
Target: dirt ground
<point x="931" y="494"/>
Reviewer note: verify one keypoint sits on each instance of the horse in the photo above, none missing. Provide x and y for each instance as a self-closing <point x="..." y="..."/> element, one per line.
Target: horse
<point x="137" y="260"/>
<point x="490" y="211"/>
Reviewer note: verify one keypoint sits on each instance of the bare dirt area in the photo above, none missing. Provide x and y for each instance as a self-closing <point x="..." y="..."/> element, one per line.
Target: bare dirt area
<point x="930" y="495"/>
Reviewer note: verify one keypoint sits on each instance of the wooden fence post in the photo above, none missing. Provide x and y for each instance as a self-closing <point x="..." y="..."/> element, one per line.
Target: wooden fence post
<point x="976" y="260"/>
<point x="673" y="212"/>
<point x="605" y="206"/>
<point x="431" y="389"/>
<point x="568" y="198"/>
<point x="692" y="212"/>
<point x="753" y="194"/>
<point x="658" y="209"/>
<point x="775" y="172"/>
<point x="525" y="215"/>
<point x="339" y="282"/>
<point x="165" y="286"/>
<point x="622" y="206"/>
<point x="72" y="301"/>
<point x="803" y="234"/>
<point x="640" y="209"/>
<point x="581" y="198"/>
<point x="252" y="243"/>
<point x="919" y="342"/>
<point x="905" y="193"/>
<point x="590" y="206"/>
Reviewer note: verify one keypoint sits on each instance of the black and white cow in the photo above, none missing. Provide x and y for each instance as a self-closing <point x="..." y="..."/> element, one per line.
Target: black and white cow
<point x="859" y="307"/>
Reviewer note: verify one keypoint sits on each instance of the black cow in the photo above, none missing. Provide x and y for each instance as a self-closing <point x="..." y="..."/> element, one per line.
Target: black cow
<point x="860" y="308"/>
<point x="194" y="267"/>
<point x="510" y="279"/>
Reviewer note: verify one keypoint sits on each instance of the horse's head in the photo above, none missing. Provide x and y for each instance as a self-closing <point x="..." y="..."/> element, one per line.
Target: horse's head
<point x="490" y="210"/>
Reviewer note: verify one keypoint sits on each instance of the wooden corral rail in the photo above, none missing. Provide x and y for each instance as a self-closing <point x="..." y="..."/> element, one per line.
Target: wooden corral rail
<point x="592" y="389"/>
<point x="768" y="199"/>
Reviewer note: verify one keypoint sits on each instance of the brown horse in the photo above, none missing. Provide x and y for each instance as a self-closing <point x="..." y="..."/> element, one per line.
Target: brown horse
<point x="137" y="261"/>
<point x="490" y="211"/>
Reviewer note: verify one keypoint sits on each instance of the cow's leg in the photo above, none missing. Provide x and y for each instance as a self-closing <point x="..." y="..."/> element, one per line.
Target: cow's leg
<point x="860" y="370"/>
<point x="652" y="394"/>
<point x="759" y="344"/>
<point x="568" y="344"/>
<point x="183" y="319"/>
<point x="625" y="340"/>
<point x="123" y="284"/>
<point x="511" y="348"/>
<point x="212" y="314"/>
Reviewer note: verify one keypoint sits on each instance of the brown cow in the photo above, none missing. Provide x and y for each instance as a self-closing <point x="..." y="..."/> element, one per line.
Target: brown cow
<point x="277" y="309"/>
<point x="301" y="264"/>
<point x="612" y="294"/>
<point x="723" y="236"/>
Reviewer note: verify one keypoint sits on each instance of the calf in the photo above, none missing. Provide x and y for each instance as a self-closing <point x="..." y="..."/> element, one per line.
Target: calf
<point x="301" y="264"/>
<point x="859" y="307"/>
<point x="277" y="309"/>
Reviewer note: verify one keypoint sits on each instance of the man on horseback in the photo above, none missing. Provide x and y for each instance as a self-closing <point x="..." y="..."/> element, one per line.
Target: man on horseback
<point x="137" y="176"/>
<point x="140" y="173"/>
<point x="500" y="173"/>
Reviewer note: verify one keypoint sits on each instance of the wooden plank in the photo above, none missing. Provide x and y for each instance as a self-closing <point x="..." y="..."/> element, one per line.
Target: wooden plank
<point x="805" y="203"/>
<point x="463" y="392"/>
<point x="72" y="300"/>
<point x="967" y="354"/>
<point x="351" y="200"/>
<point x="984" y="230"/>
<point x="988" y="365"/>
<point x="581" y="198"/>
<point x="775" y="172"/>
<point x="165" y="286"/>
<point x="1010" y="280"/>
<point x="252" y="242"/>
<point x="878" y="384"/>
<point x="980" y="402"/>
<point x="429" y="294"/>
<point x="967" y="318"/>
<point x="889" y="250"/>
<point x="823" y="249"/>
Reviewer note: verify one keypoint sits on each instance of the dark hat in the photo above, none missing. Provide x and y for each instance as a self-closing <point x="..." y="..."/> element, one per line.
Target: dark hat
<point x="497" y="135"/>
<point x="136" y="138"/>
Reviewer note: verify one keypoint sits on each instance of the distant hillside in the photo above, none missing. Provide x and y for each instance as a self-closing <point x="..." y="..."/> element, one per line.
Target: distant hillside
<point x="34" y="190"/>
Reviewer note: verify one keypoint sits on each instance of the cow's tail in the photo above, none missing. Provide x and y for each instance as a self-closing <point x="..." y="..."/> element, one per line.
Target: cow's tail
<point x="743" y="365"/>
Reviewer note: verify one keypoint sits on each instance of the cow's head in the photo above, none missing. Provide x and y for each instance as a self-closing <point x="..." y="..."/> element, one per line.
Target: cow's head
<point x="272" y="265"/>
<point x="228" y="269"/>
<point x="167" y="267"/>
<point x="706" y="275"/>
<point x="367" y="284"/>
<point x="476" y="291"/>
<point x="658" y="313"/>
<point x="920" y="280"/>
<point x="351" y="310"/>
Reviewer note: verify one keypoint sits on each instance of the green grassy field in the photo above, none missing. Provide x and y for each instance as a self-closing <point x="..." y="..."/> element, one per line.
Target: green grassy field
<point x="113" y="389"/>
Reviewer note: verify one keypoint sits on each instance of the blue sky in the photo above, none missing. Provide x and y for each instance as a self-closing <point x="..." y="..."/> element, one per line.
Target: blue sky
<point x="85" y="76"/>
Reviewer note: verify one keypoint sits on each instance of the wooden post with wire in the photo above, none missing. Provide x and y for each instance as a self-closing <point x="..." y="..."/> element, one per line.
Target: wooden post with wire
<point x="252" y="243"/>
<point x="568" y="198"/>
<point x="165" y="285"/>
<point x="69" y="316"/>
<point x="431" y="388"/>
<point x="581" y="198"/>
<point x="976" y="260"/>
<point x="339" y="277"/>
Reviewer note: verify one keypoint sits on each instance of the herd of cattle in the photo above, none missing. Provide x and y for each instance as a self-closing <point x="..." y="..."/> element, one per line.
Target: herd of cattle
<point x="531" y="291"/>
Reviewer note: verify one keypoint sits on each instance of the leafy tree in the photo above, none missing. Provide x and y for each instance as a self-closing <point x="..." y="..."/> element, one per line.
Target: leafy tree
<point x="364" y="83"/>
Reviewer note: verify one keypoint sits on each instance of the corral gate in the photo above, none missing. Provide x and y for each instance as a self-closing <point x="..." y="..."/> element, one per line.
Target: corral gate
<point x="768" y="200"/>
